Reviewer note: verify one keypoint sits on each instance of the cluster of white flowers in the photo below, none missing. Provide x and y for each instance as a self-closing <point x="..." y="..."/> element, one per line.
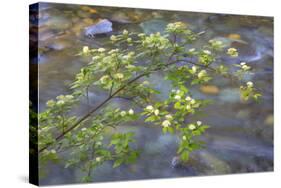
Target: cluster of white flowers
<point x="124" y="113"/>
<point x="104" y="79"/>
<point x="101" y="50"/>
<point x="152" y="110"/>
<point x="156" y="112"/>
<point x="190" y="101"/>
<point x="113" y="38"/>
<point x="166" y="123"/>
<point x="129" y="40"/>
<point x="61" y="100"/>
<point x="119" y="75"/>
<point x="202" y="74"/>
<point x="194" y="69"/>
<point x="232" y="52"/>
<point x="85" y="49"/>
<point x="207" y="52"/>
<point x="125" y="32"/>
<point x="98" y="159"/>
<point x="192" y="127"/>
<point x="113" y="51"/>
<point x="177" y="97"/>
<point x="149" y="108"/>
<point x="131" y="112"/>
<point x="169" y="117"/>
<point x="191" y="50"/>
<point x="250" y="84"/>
<point x="244" y="66"/>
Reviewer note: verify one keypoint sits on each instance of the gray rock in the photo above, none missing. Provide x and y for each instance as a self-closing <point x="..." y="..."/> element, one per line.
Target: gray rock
<point x="102" y="27"/>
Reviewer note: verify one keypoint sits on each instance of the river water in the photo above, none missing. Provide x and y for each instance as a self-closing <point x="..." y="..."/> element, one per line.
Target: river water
<point x="240" y="139"/>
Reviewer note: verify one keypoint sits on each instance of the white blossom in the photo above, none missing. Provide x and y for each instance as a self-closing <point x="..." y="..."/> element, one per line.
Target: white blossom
<point x="192" y="101"/>
<point x="184" y="137"/>
<point x="168" y="116"/>
<point x="103" y="79"/>
<point x="177" y="97"/>
<point x="201" y="74"/>
<point x="150" y="108"/>
<point x="125" y="32"/>
<point x="194" y="69"/>
<point x="156" y="112"/>
<point x="113" y="38"/>
<point x="166" y="123"/>
<point x="250" y="84"/>
<point x="60" y="102"/>
<point x="188" y="98"/>
<point x="192" y="127"/>
<point x="123" y="113"/>
<point x="101" y="50"/>
<point x="98" y="159"/>
<point x="199" y="123"/>
<point x="191" y="50"/>
<point x="131" y="112"/>
<point x="119" y="75"/>
<point x="85" y="49"/>
<point x="207" y="52"/>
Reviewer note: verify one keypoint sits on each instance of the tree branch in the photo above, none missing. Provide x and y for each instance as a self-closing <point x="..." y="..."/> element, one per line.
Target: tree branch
<point x="82" y="119"/>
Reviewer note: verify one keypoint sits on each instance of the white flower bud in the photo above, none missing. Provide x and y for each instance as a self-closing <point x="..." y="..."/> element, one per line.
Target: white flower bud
<point x="85" y="49"/>
<point x="177" y="97"/>
<point x="150" y="108"/>
<point x="101" y="50"/>
<point x="188" y="107"/>
<point x="188" y="98"/>
<point x="98" y="159"/>
<point x="123" y="113"/>
<point x="166" y="123"/>
<point x="156" y="112"/>
<point x="207" y="52"/>
<point x="194" y="69"/>
<point x="131" y="112"/>
<point x="169" y="116"/>
<point x="192" y="127"/>
<point x="119" y="75"/>
<point x="250" y="84"/>
<point x="192" y="101"/>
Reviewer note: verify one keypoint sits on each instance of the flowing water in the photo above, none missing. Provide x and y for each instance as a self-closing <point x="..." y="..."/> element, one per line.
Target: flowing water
<point x="241" y="135"/>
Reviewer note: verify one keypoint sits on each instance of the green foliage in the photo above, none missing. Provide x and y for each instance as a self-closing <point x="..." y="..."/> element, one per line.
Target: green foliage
<point x="91" y="139"/>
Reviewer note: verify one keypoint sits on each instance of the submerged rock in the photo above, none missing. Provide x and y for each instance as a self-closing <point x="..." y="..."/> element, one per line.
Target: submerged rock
<point x="101" y="27"/>
<point x="154" y="26"/>
<point x="210" y="89"/>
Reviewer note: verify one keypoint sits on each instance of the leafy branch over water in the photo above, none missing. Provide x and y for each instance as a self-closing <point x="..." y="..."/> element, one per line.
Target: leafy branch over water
<point x="122" y="72"/>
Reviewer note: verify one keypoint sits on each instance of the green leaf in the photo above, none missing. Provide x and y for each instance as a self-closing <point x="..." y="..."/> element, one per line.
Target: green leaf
<point x="118" y="162"/>
<point x="184" y="156"/>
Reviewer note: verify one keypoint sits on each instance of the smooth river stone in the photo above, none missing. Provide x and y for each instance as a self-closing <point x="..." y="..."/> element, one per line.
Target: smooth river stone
<point x="101" y="27"/>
